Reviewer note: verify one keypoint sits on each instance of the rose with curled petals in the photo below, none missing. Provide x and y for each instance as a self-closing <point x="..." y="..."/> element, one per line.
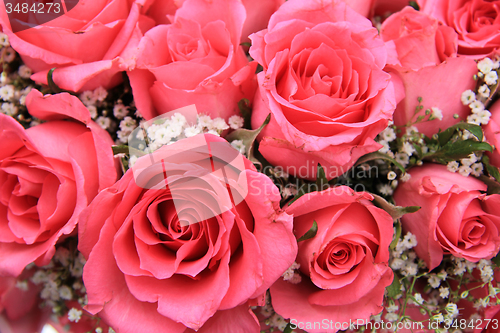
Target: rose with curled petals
<point x="323" y="84"/>
<point x="456" y="217"/>
<point x="190" y="246"/>
<point x="344" y="266"/>
<point x="48" y="174"/>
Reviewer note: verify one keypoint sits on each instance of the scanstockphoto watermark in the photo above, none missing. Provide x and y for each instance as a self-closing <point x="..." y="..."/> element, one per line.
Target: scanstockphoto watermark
<point x="327" y="324"/>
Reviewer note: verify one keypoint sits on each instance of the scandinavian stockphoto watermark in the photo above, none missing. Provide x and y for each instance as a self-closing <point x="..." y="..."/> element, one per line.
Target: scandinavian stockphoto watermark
<point x="26" y="14"/>
<point x="203" y="175"/>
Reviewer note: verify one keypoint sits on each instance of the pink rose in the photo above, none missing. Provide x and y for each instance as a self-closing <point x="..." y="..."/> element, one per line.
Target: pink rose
<point x="324" y="86"/>
<point x="456" y="216"/>
<point x="85" y="45"/>
<point x="344" y="266"/>
<point x="158" y="261"/>
<point x="196" y="60"/>
<point x="425" y="59"/>
<point x="477" y="23"/>
<point x="384" y="8"/>
<point x="492" y="134"/>
<point x="48" y="175"/>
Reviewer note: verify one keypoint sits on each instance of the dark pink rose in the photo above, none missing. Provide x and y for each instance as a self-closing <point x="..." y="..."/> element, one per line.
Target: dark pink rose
<point x="492" y="134"/>
<point x="424" y="58"/>
<point x="456" y="215"/>
<point x="196" y="60"/>
<point x="344" y="266"/>
<point x="202" y="236"/>
<point x="48" y="175"/>
<point x="477" y="23"/>
<point x="85" y="45"/>
<point x="324" y="86"/>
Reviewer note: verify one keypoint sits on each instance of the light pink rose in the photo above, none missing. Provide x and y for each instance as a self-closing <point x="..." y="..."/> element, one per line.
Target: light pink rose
<point x="425" y="59"/>
<point x="477" y="23"/>
<point x="85" y="45"/>
<point x="344" y="266"/>
<point x="48" y="174"/>
<point x="323" y="85"/>
<point x="492" y="134"/>
<point x="152" y="268"/>
<point x="196" y="60"/>
<point x="456" y="216"/>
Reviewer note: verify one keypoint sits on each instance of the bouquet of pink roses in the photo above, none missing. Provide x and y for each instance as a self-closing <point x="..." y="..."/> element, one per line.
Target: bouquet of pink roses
<point x="249" y="166"/>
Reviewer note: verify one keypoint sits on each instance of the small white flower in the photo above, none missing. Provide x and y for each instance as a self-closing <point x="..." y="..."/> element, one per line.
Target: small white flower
<point x="388" y="134"/>
<point x="476" y="106"/>
<point x="392" y="307"/>
<point x="9" y="54"/>
<point x="205" y="121"/>
<point x="485" y="65"/>
<point x="418" y="299"/>
<point x="391" y="316"/>
<point x="128" y="124"/>
<point x="178" y="119"/>
<point x="4" y="39"/>
<point x="402" y="158"/>
<point x="487" y="274"/>
<point x="7" y="92"/>
<point x="88" y="98"/>
<point x="22" y="285"/>
<point x="9" y="109"/>
<point x="491" y="78"/>
<point x="470" y="160"/>
<point x="24" y="71"/>
<point x="484" y="91"/>
<point x="477" y="169"/>
<point x="434" y="281"/>
<point x="239" y="146"/>
<point x="100" y="94"/>
<point x="103" y="122"/>
<point x="74" y="315"/>
<point x="191" y="131"/>
<point x="65" y="292"/>
<point x="436" y="113"/>
<point x="410" y="269"/>
<point x="98" y="330"/>
<point x="213" y="132"/>
<point x="468" y="97"/>
<point x="412" y="130"/>
<point x="452" y="166"/>
<point x="120" y="110"/>
<point x="405" y="177"/>
<point x="452" y="309"/>
<point x="484" y="117"/>
<point x="93" y="111"/>
<point x="408" y="148"/>
<point x="444" y="292"/>
<point x="391" y="175"/>
<point x="438" y="317"/>
<point x="385" y="189"/>
<point x="385" y="147"/>
<point x="474" y="119"/>
<point x="219" y="124"/>
<point x="39" y="277"/>
<point x="464" y="170"/>
<point x="236" y="122"/>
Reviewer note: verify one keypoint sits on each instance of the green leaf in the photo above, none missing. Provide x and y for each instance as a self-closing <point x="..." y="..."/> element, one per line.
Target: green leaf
<point x="395" y="211"/>
<point x="496" y="260"/>
<point x="395" y="288"/>
<point x="492" y="170"/>
<point x="248" y="137"/>
<point x="446" y="135"/>
<point x="453" y="151"/>
<point x="55" y="89"/>
<point x="493" y="185"/>
<point x="379" y="156"/>
<point x="300" y="193"/>
<point x="288" y="328"/>
<point x="321" y="180"/>
<point x="310" y="233"/>
<point x="396" y="235"/>
<point x="124" y="149"/>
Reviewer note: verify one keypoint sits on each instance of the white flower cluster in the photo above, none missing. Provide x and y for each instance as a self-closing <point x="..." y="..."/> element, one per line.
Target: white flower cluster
<point x="292" y="274"/>
<point x="169" y="130"/>
<point x="403" y="258"/>
<point x="54" y="281"/>
<point x="471" y="165"/>
<point x="7" y="53"/>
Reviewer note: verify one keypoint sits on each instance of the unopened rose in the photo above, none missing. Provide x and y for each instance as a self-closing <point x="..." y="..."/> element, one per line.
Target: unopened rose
<point x="323" y="84"/>
<point x="344" y="266"/>
<point x="456" y="216"/>
<point x="48" y="174"/>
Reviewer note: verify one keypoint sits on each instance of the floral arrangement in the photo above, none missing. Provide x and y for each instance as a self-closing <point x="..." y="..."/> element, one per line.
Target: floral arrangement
<point x="249" y="166"/>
